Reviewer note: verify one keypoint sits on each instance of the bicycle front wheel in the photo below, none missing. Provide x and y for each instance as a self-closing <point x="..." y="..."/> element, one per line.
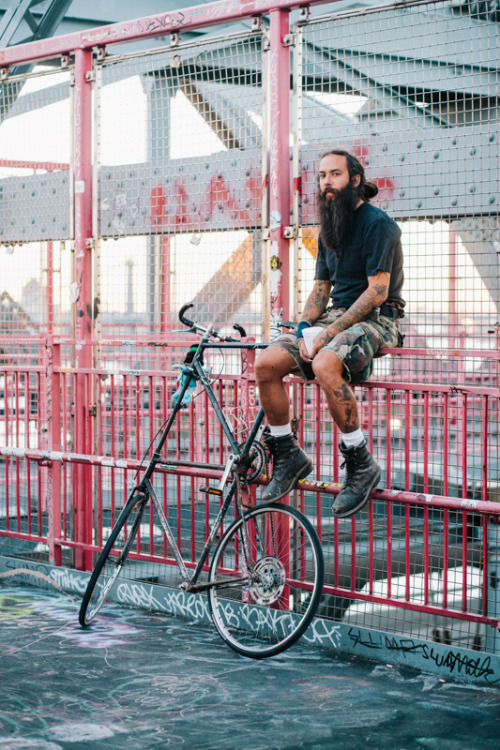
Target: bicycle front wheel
<point x="112" y="559"/>
<point x="268" y="573"/>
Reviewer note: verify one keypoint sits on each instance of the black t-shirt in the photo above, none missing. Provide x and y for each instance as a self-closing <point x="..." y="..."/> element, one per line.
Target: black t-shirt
<point x="373" y="245"/>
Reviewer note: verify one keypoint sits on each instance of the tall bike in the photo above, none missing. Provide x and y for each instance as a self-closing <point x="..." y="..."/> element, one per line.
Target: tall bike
<point x="265" y="577"/>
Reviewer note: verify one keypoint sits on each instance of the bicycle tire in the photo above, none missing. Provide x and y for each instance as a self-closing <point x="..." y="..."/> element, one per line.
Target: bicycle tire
<point x="264" y="611"/>
<point x="112" y="559"/>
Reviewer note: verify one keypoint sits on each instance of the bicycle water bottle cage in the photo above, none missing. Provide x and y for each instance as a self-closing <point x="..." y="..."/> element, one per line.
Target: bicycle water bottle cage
<point x="185" y="373"/>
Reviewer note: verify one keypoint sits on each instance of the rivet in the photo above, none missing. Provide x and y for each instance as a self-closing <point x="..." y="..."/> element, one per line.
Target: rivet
<point x="492" y="198"/>
<point x="436" y="191"/>
<point x="454" y="201"/>
<point x="436" y="154"/>
<point x="472" y="188"/>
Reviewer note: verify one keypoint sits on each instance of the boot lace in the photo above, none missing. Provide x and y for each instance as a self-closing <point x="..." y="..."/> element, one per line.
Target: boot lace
<point x="350" y="465"/>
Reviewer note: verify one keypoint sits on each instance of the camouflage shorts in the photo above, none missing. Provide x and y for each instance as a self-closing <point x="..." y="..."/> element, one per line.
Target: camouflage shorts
<point x="355" y="346"/>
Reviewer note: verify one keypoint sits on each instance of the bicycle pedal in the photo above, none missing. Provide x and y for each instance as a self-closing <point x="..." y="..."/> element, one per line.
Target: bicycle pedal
<point x="211" y="491"/>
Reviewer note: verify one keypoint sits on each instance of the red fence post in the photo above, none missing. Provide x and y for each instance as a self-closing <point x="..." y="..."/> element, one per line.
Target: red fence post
<point x="53" y="485"/>
<point x="83" y="320"/>
<point x="279" y="167"/>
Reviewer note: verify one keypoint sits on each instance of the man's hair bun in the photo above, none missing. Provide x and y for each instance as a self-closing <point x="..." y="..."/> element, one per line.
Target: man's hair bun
<point x="370" y="190"/>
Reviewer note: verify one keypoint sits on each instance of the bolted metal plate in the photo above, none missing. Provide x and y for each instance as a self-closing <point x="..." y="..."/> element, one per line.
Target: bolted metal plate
<point x="34" y="208"/>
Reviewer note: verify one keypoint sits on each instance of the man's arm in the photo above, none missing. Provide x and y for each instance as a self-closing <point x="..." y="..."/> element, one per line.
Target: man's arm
<point x="374" y="296"/>
<point x="317" y="301"/>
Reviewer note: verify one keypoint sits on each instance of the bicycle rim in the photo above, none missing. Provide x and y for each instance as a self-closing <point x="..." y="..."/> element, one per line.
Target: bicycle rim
<point x="267" y="593"/>
<point x="111" y="561"/>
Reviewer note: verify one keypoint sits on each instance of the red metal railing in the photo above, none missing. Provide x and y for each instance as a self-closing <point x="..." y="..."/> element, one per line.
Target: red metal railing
<point x="411" y="529"/>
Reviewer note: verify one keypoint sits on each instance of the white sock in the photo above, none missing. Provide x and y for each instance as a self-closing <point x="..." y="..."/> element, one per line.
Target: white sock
<point x="281" y="430"/>
<point x="353" y="438"/>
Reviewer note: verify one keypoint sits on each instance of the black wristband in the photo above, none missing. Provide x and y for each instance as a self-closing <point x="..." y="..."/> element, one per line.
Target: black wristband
<point x="300" y="328"/>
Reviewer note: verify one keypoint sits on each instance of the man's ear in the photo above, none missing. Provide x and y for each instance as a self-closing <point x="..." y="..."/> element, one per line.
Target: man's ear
<point x="356" y="180"/>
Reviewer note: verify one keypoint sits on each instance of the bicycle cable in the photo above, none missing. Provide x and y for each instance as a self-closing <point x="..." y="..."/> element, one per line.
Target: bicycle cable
<point x="158" y="431"/>
<point x="162" y="426"/>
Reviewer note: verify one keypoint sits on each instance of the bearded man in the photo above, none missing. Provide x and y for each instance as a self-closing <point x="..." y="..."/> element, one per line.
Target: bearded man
<point x="356" y="301"/>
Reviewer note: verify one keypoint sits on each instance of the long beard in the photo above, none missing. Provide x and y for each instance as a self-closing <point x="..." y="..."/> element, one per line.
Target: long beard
<point x="336" y="216"/>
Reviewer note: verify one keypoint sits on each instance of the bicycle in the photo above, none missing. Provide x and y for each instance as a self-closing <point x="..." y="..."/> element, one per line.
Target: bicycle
<point x="266" y="575"/>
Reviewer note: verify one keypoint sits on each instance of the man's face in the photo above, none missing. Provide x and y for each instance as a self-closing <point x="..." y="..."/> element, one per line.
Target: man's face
<point x="333" y="175"/>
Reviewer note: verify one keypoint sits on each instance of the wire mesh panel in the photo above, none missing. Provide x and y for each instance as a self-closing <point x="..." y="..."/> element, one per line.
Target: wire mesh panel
<point x="36" y="271"/>
<point x="179" y="189"/>
<point x="413" y="93"/>
<point x="35" y="210"/>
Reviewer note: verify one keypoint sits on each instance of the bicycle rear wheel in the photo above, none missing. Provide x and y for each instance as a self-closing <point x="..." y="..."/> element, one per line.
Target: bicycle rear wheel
<point x="112" y="559"/>
<point x="268" y="589"/>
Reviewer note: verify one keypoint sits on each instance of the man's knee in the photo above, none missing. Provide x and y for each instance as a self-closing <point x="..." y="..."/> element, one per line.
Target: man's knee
<point x="327" y="367"/>
<point x="273" y="364"/>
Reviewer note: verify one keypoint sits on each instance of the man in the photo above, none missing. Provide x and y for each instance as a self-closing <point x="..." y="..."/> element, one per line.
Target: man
<point x="359" y="269"/>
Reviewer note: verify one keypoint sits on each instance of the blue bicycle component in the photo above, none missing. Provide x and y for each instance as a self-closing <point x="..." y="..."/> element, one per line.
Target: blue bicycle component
<point x="186" y="374"/>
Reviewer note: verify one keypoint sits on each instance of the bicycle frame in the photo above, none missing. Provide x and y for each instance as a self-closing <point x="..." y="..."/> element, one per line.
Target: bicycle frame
<point x="238" y="463"/>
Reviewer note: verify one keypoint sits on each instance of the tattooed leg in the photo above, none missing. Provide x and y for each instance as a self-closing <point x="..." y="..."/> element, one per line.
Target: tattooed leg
<point x="342" y="404"/>
<point x="270" y="369"/>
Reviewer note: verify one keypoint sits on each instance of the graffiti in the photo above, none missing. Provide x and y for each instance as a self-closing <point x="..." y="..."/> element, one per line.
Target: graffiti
<point x="138" y="595"/>
<point x="69" y="580"/>
<point x="161" y="23"/>
<point x="61" y="579"/>
<point x="323" y="633"/>
<point x="190" y="606"/>
<point x="14" y="607"/>
<point x="195" y="608"/>
<point x="454" y="662"/>
<point x="174" y="206"/>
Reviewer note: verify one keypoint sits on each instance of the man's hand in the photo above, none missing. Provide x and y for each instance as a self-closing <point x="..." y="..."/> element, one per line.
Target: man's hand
<point x="303" y="351"/>
<point x="321" y="340"/>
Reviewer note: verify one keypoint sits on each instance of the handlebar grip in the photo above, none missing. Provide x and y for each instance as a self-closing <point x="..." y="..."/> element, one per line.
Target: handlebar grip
<point x="182" y="318"/>
<point x="240" y="330"/>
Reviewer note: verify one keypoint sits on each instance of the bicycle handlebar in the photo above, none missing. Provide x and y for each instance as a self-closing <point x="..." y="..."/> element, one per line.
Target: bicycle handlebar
<point x="183" y="319"/>
<point x="196" y="328"/>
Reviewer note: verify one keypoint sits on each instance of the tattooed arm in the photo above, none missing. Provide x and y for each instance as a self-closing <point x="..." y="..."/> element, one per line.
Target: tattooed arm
<point x="317" y="301"/>
<point x="374" y="296"/>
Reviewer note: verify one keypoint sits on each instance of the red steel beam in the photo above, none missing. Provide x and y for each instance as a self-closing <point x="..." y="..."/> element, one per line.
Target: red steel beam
<point x="83" y="322"/>
<point x="161" y="24"/>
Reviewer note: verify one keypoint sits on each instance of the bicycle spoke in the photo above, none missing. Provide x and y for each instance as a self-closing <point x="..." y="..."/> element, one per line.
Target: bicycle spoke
<point x="264" y="612"/>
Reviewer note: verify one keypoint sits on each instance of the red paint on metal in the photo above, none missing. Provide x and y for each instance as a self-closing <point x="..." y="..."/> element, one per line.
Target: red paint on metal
<point x="47" y="166"/>
<point x="173" y="208"/>
<point x="53" y="498"/>
<point x="211" y="14"/>
<point x="279" y="165"/>
<point x="83" y="323"/>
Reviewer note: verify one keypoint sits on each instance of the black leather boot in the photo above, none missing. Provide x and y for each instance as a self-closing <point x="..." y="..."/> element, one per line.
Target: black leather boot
<point x="362" y="475"/>
<point x="290" y="464"/>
